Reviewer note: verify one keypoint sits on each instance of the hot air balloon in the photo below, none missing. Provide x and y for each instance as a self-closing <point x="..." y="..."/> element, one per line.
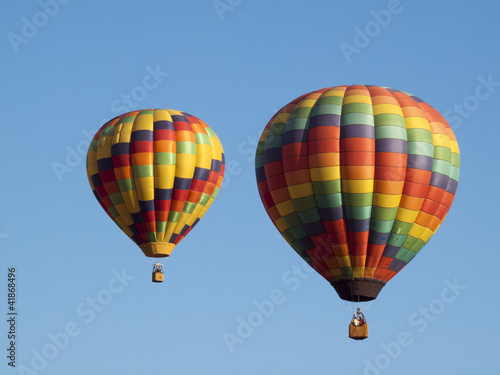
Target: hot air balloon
<point x="357" y="179"/>
<point x="155" y="173"/>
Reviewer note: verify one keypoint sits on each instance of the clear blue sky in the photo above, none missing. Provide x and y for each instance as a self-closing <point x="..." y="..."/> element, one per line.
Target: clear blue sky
<point x="66" y="67"/>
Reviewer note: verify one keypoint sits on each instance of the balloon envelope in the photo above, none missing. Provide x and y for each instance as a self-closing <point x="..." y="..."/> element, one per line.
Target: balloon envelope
<point x="156" y="173"/>
<point x="357" y="179"/>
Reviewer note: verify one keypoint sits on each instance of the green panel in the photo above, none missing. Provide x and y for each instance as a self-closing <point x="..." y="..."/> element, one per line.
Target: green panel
<point x="384" y="213"/>
<point x="173" y="216"/>
<point x="204" y="199"/>
<point x="337" y="100"/>
<point x="310" y="216"/>
<point x="357" y="199"/>
<point x="441" y="166"/>
<point x="357" y="108"/>
<point x="442" y="153"/>
<point x="116" y="198"/>
<point x="356" y="118"/>
<point x="211" y="133"/>
<point x="296" y="123"/>
<point x="393" y="132"/>
<point x="299" y="232"/>
<point x="301" y="112"/>
<point x="126" y="185"/>
<point x="401" y="227"/>
<point x="292" y="220"/>
<point x="396" y="239"/>
<point x="326" y="109"/>
<point x="358" y="213"/>
<point x="189" y="207"/>
<point x="113" y="211"/>
<point x="273" y="141"/>
<point x="161" y="226"/>
<point x="420" y="148"/>
<point x="186" y="148"/>
<point x="390" y="119"/>
<point x="259" y="158"/>
<point x="289" y="236"/>
<point x="328" y="201"/>
<point x="165" y="158"/>
<point x="419" y="135"/>
<point x="202" y="138"/>
<point x="405" y="255"/>
<point x="140" y="171"/>
<point x="304" y="204"/>
<point x="381" y="226"/>
<point x="327" y="187"/>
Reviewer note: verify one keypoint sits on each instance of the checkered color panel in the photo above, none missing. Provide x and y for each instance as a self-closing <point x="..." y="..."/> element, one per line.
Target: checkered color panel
<point x="155" y="173"/>
<point x="357" y="179"/>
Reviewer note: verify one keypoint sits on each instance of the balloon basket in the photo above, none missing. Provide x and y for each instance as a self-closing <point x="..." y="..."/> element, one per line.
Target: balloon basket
<point x="359" y="332"/>
<point x="157" y="277"/>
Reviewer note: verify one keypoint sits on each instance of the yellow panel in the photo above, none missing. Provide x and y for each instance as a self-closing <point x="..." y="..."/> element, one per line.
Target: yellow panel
<point x="123" y="212"/>
<point x="300" y="190"/>
<point x="357" y="186"/>
<point x="386" y="200"/>
<point x="168" y="175"/>
<point x="308" y="103"/>
<point x="426" y="235"/>
<point x="387" y="108"/>
<point x="145" y="188"/>
<point x="440" y="140"/>
<point x="406" y="215"/>
<point x="416" y="230"/>
<point x="281" y="225"/>
<point x="325" y="173"/>
<point x="370" y="271"/>
<point x="417" y="123"/>
<point x="285" y="207"/>
<point x="357" y="99"/>
<point x="339" y="93"/>
<point x="162" y="115"/>
<point x="143" y="121"/>
<point x="185" y="165"/>
<point x="454" y="147"/>
<point x="124" y="133"/>
<point x="358" y="271"/>
<point x="344" y="261"/>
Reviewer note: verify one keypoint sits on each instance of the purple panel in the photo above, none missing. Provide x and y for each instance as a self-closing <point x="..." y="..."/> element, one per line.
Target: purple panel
<point x="314" y="229"/>
<point x="390" y="251"/>
<point x="120" y="149"/>
<point x="357" y="131"/>
<point x="272" y="154"/>
<point x="141" y="135"/>
<point x="182" y="183"/>
<point x="147" y="206"/>
<point x="391" y="145"/>
<point x="295" y="136"/>
<point x="420" y="162"/>
<point x="378" y="238"/>
<point x="331" y="213"/>
<point x="439" y="180"/>
<point x="355" y="225"/>
<point x="163" y="124"/>
<point x="163" y="194"/>
<point x="324" y="120"/>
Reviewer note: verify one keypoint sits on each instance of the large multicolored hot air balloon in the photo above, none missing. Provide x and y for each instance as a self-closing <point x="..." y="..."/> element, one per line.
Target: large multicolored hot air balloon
<point x="357" y="179"/>
<point x="155" y="173"/>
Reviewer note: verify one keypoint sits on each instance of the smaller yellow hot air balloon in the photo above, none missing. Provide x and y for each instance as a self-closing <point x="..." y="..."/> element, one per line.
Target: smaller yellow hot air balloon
<point x="155" y="173"/>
